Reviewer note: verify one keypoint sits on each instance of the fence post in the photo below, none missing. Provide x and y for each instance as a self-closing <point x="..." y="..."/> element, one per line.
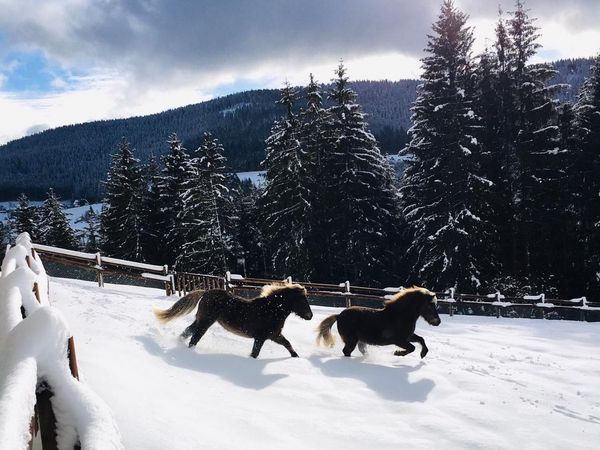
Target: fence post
<point x="543" y="300"/>
<point x="288" y="280"/>
<point x="451" y="307"/>
<point x="99" y="275"/>
<point x="347" y="292"/>
<point x="498" y="298"/>
<point x="227" y="280"/>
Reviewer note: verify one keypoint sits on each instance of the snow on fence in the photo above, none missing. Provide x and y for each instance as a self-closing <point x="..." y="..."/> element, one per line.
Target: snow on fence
<point x="104" y="265"/>
<point x="40" y="391"/>
<point x="185" y="282"/>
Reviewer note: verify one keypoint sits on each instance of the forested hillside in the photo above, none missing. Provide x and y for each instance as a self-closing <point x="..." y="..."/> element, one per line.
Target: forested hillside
<point x="73" y="159"/>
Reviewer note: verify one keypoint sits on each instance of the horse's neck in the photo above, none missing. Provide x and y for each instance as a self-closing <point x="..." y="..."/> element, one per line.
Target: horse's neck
<point x="279" y="305"/>
<point x="402" y="311"/>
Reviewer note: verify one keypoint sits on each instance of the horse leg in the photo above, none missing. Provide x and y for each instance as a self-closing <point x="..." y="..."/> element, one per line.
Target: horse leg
<point x="421" y="341"/>
<point x="281" y="340"/>
<point x="258" y="343"/>
<point x="350" y="345"/>
<point x="407" y="346"/>
<point x="188" y="331"/>
<point x="200" y="327"/>
<point x="362" y="347"/>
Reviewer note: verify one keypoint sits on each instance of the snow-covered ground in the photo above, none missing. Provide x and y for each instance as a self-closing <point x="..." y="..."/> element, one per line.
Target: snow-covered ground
<point x="75" y="214"/>
<point x="486" y="382"/>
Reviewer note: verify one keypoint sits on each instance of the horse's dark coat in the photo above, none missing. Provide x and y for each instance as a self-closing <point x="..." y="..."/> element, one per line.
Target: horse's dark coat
<point x="260" y="318"/>
<point x="394" y="324"/>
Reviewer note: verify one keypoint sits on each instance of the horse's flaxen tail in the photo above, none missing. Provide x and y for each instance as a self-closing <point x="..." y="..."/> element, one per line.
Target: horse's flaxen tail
<point x="325" y="331"/>
<point x="179" y="308"/>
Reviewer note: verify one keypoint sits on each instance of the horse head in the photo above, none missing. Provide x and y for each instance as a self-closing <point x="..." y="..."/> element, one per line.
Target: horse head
<point x="429" y="309"/>
<point x="294" y="295"/>
<point x="420" y="301"/>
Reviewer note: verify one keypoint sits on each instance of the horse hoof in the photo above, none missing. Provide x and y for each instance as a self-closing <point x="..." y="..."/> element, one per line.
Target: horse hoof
<point x="400" y="353"/>
<point x="295" y="355"/>
<point x="423" y="354"/>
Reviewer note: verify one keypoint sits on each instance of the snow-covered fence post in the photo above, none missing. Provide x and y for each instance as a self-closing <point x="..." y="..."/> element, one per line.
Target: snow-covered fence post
<point x="288" y="280"/>
<point x="498" y="299"/>
<point x="347" y="294"/>
<point x="99" y="269"/>
<point x="451" y="306"/>
<point x="543" y="302"/>
<point x="228" y="286"/>
<point x="169" y="283"/>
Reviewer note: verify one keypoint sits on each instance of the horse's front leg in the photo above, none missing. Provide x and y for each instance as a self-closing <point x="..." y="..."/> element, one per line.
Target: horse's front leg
<point x="258" y="343"/>
<point x="281" y="340"/>
<point x="421" y="341"/>
<point x="407" y="346"/>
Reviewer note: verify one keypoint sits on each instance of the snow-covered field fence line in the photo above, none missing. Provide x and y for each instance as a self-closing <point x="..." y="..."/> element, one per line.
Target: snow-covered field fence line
<point x="41" y="396"/>
<point x="104" y="265"/>
<point x="342" y="294"/>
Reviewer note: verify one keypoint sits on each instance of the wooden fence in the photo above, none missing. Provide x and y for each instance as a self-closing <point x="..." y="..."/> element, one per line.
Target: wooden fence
<point x="342" y="294"/>
<point x="104" y="265"/>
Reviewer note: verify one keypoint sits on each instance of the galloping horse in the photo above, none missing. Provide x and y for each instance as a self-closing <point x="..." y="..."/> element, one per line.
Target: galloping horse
<point x="260" y="318"/>
<point x="394" y="324"/>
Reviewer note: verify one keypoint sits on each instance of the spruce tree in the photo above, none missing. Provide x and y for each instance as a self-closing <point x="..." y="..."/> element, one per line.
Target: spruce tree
<point x="174" y="176"/>
<point x="585" y="179"/>
<point x="285" y="200"/>
<point x="89" y="236"/>
<point x="314" y="142"/>
<point x="24" y="218"/>
<point x="120" y="219"/>
<point x="527" y="155"/>
<point x="362" y="209"/>
<point x="444" y="195"/>
<point x="208" y="218"/>
<point x="54" y="227"/>
<point x="152" y="235"/>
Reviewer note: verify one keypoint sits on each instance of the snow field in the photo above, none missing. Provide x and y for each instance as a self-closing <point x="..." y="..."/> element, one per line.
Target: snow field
<point x="486" y="383"/>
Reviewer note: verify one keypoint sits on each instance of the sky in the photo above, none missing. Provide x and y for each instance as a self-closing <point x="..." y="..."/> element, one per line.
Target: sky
<point x="72" y="61"/>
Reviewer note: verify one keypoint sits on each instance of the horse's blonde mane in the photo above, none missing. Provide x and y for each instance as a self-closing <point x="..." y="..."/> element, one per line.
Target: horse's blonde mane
<point x="278" y="288"/>
<point x="406" y="292"/>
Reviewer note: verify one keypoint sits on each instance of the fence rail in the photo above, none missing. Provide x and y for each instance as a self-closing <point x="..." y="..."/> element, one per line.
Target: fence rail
<point x="181" y="283"/>
<point x="104" y="265"/>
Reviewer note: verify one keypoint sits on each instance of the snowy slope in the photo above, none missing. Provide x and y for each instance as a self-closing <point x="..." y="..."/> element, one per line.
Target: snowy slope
<point x="486" y="382"/>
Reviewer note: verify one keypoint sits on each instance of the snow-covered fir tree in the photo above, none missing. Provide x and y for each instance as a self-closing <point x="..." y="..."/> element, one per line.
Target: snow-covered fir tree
<point x="54" y="228"/>
<point x="444" y="194"/>
<point x="585" y="177"/>
<point x="312" y="135"/>
<point x="175" y="174"/>
<point x="120" y="218"/>
<point x="525" y="154"/>
<point x="358" y="190"/>
<point x="208" y="218"/>
<point x="24" y="218"/>
<point x="285" y="201"/>
<point x="249" y="234"/>
<point x="89" y="235"/>
<point x="152" y="235"/>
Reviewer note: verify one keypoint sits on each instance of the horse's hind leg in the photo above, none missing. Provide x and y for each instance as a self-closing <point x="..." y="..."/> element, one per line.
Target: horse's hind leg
<point x="199" y="328"/>
<point x="362" y="347"/>
<point x="188" y="331"/>
<point x="407" y="346"/>
<point x="350" y="345"/>
<point x="281" y="340"/>
<point x="421" y="341"/>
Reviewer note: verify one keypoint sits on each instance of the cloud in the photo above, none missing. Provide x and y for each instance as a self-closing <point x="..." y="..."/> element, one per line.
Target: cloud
<point x="158" y="39"/>
<point x="142" y="56"/>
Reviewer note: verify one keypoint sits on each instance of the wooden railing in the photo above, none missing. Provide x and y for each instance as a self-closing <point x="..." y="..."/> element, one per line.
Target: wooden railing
<point x="182" y="283"/>
<point x="104" y="265"/>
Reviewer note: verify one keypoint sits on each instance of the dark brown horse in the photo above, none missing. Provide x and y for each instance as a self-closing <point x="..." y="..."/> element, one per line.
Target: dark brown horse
<point x="260" y="318"/>
<point x="392" y="325"/>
